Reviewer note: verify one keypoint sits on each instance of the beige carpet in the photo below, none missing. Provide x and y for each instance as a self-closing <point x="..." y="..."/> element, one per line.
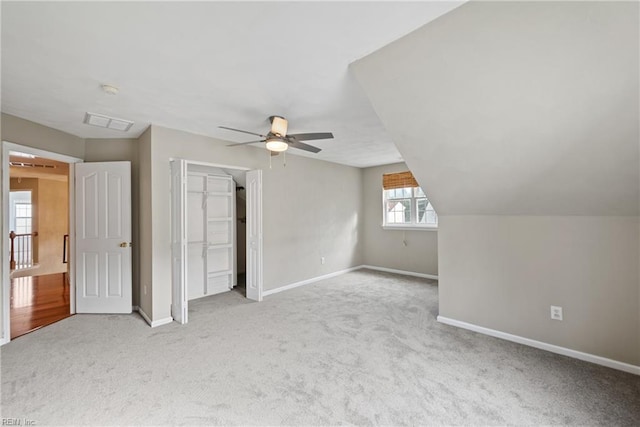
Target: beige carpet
<point x="363" y="348"/>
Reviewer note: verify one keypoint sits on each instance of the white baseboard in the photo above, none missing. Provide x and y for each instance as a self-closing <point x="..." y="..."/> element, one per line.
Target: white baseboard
<point x="599" y="360"/>
<point x="153" y="323"/>
<point x="338" y="273"/>
<point x="403" y="272"/>
<point x="309" y="281"/>
<point x="3" y="341"/>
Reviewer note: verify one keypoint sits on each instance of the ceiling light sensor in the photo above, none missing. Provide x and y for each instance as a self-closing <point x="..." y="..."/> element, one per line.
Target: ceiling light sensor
<point x="110" y="89"/>
<point x="99" y="120"/>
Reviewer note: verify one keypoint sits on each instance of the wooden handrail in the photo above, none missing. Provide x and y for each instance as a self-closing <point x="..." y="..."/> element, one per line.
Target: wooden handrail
<point x="12" y="263"/>
<point x="13" y="236"/>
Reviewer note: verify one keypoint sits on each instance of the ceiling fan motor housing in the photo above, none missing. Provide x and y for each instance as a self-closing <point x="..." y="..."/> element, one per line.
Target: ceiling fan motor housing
<point x="278" y="125"/>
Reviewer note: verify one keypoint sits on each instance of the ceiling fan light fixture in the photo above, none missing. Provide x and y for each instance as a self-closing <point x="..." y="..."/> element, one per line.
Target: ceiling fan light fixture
<point x="279" y="125"/>
<point x="277" y="145"/>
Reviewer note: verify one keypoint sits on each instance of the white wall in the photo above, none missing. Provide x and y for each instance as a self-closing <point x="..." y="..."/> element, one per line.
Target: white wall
<point x="311" y="209"/>
<point x="385" y="248"/>
<point x="504" y="273"/>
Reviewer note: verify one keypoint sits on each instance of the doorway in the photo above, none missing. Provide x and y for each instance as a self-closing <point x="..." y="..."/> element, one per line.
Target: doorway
<point x="216" y="214"/>
<point x="38" y="259"/>
<point x="36" y="270"/>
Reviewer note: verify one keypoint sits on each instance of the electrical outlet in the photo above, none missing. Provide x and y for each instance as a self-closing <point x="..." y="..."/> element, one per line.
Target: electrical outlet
<point x="556" y="312"/>
<point x="321" y="260"/>
<point x="145" y="289"/>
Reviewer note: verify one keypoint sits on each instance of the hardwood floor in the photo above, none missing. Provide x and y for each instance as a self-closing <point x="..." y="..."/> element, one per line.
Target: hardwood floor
<point x="37" y="301"/>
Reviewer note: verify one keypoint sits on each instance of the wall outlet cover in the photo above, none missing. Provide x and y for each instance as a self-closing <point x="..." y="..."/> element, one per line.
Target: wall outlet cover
<point x="556" y="312"/>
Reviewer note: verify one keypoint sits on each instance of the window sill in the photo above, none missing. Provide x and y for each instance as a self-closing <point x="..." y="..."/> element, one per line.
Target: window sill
<point x="409" y="228"/>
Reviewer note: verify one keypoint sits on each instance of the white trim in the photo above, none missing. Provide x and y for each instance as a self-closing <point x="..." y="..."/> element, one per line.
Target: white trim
<point x="161" y="322"/>
<point x="71" y="262"/>
<point x="215" y="165"/>
<point x="5" y="267"/>
<point x="5" y="281"/>
<point x="409" y="228"/>
<point x="144" y="315"/>
<point x="154" y="323"/>
<point x="3" y="341"/>
<point x="406" y="273"/>
<point x="599" y="360"/>
<point x="309" y="281"/>
<point x="41" y="153"/>
<point x="348" y="270"/>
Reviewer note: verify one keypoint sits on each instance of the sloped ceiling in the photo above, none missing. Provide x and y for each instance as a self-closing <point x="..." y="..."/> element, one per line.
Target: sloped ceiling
<point x="517" y="107"/>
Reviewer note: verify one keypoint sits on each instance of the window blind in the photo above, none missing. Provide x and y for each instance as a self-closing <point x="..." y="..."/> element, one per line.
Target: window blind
<point x="398" y="180"/>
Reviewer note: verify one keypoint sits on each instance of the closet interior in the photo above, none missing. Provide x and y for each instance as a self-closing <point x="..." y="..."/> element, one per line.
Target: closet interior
<point x="211" y="231"/>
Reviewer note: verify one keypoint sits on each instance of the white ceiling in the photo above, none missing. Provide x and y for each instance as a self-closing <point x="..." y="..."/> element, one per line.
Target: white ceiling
<point x="195" y="66"/>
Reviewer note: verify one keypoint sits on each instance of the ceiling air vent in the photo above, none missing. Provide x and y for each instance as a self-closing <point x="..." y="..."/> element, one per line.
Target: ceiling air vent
<point x="99" y="120"/>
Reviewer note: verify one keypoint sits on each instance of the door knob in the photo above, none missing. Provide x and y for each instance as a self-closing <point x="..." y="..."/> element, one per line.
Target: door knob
<point x="123" y="244"/>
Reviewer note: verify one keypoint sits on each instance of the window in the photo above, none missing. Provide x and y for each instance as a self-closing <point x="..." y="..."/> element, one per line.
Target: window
<point x="405" y="204"/>
<point x="23" y="218"/>
<point x="20" y="213"/>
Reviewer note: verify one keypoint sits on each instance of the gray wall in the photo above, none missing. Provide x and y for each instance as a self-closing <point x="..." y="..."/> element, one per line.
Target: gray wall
<point x="311" y="209"/>
<point x="517" y="108"/>
<point x="385" y="248"/>
<point x="145" y="230"/>
<point x="111" y="150"/>
<point x="25" y="132"/>
<point x="504" y="273"/>
<point x="512" y="109"/>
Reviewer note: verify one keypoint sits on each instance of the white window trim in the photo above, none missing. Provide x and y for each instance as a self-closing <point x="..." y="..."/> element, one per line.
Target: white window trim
<point x="405" y="227"/>
<point x="410" y="227"/>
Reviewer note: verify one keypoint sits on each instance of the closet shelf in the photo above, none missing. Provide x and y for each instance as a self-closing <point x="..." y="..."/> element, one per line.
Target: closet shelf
<point x="211" y="193"/>
<point x="210" y="245"/>
<point x="218" y="273"/>
<point x="219" y="245"/>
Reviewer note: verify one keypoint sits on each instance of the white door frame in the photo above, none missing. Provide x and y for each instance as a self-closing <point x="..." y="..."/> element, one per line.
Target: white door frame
<point x="7" y="147"/>
<point x="220" y="166"/>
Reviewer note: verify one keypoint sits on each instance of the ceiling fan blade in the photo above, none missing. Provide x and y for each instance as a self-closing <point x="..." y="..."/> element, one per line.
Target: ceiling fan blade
<point x="244" y="143"/>
<point x="311" y="136"/>
<point x="243" y="131"/>
<point x="302" y="146"/>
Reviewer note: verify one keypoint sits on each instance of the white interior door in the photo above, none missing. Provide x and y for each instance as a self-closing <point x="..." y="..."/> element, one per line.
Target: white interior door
<point x="179" y="303"/>
<point x="103" y="237"/>
<point x="254" y="235"/>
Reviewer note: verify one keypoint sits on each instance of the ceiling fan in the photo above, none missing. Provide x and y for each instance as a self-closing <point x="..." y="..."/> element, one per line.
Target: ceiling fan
<point x="277" y="139"/>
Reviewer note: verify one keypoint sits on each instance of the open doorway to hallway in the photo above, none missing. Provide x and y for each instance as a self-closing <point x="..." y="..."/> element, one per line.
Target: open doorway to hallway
<point x="39" y="242"/>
